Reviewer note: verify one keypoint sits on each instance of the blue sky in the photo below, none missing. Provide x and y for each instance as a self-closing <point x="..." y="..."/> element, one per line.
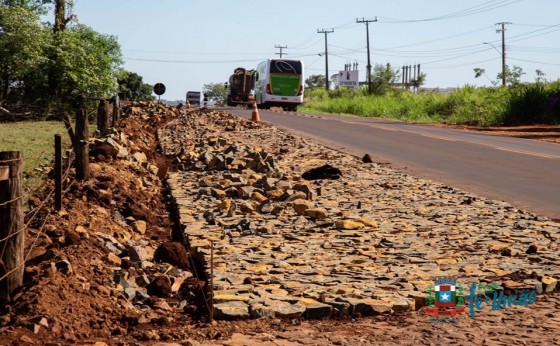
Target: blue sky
<point x="188" y="43"/>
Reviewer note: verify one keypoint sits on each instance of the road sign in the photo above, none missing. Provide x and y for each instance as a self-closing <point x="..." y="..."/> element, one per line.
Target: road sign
<point x="159" y="89"/>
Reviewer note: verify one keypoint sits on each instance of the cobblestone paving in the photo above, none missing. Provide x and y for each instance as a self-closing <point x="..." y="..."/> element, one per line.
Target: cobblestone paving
<point x="535" y="325"/>
<point x="370" y="242"/>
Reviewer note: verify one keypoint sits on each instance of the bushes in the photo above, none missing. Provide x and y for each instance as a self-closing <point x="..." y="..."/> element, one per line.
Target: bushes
<point x="523" y="104"/>
<point x="533" y="104"/>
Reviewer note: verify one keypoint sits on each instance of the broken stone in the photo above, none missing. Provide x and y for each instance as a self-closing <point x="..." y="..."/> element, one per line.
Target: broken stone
<point x="301" y="205"/>
<point x="256" y="196"/>
<point x="348" y="224"/>
<point x="225" y="204"/>
<point x="114" y="259"/>
<point x="318" y="213"/>
<point x="140" y="226"/>
<point x="265" y="207"/>
<point x="549" y="283"/>
<point x="138" y="254"/>
<point x="289" y="311"/>
<point x="231" y="310"/>
<point x="315" y="310"/>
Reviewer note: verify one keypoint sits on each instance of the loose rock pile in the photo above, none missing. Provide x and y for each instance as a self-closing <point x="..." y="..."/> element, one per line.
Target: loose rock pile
<point x="105" y="263"/>
<point x="369" y="241"/>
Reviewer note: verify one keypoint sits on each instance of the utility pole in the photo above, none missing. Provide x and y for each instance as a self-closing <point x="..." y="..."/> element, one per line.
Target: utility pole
<point x="504" y="66"/>
<point x="368" y="77"/>
<point x="280" y="47"/>
<point x="326" y="32"/>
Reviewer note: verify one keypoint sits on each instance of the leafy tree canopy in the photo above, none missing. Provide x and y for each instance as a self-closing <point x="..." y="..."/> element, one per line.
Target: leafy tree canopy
<point x="315" y="81"/>
<point x="89" y="61"/>
<point x="216" y="92"/>
<point x="36" y="6"/>
<point x="382" y="77"/>
<point x="513" y="75"/>
<point x="134" y="88"/>
<point x="22" y="41"/>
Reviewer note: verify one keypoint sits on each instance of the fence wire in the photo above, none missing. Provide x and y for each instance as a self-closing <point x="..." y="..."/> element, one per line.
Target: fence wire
<point x="35" y="213"/>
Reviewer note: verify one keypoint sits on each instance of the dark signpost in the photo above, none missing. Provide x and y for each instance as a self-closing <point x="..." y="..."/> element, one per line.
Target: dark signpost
<point x="159" y="89"/>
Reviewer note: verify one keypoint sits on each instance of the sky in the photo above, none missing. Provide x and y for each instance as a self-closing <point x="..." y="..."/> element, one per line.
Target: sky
<point x="186" y="44"/>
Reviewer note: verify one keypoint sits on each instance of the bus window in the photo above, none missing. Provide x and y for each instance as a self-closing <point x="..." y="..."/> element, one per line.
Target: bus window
<point x="285" y="66"/>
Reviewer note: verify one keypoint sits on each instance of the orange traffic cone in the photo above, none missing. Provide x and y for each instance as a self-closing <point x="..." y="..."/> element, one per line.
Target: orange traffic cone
<point x="255" y="116"/>
<point x="188" y="104"/>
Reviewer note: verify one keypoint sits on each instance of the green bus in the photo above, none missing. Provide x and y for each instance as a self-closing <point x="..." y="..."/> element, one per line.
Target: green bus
<point x="279" y="83"/>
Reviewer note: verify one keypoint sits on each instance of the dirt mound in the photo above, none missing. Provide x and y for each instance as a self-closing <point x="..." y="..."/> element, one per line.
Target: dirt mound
<point x="91" y="273"/>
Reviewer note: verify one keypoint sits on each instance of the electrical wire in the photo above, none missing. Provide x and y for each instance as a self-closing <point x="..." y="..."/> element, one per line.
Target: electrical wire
<point x="533" y="61"/>
<point x="484" y="7"/>
<point x="441" y="39"/>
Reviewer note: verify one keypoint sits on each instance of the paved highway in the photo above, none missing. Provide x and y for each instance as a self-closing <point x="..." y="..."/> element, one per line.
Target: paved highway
<point x="525" y="173"/>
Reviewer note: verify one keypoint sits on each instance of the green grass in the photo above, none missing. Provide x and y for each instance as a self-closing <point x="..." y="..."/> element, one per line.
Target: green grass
<point x="36" y="142"/>
<point x="523" y="104"/>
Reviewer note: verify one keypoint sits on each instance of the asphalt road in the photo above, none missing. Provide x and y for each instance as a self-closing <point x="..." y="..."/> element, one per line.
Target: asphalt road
<point x="522" y="172"/>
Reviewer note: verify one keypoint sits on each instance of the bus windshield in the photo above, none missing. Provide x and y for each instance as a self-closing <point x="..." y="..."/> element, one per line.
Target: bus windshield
<point x="285" y="66"/>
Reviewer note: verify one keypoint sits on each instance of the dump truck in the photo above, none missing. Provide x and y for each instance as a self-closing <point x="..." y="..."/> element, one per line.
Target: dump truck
<point x="241" y="84"/>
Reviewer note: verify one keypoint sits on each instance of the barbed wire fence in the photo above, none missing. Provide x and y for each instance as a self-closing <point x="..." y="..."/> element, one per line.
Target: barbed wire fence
<point x="13" y="255"/>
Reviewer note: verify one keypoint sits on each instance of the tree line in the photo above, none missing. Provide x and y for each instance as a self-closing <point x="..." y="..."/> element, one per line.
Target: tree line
<point x="46" y="67"/>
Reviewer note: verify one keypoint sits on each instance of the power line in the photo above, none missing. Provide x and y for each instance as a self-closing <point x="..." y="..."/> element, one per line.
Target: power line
<point x="520" y="36"/>
<point x="193" y="61"/>
<point x="458" y="56"/>
<point x="484" y="7"/>
<point x="460" y="65"/>
<point x="536" y="62"/>
<point x="442" y="38"/>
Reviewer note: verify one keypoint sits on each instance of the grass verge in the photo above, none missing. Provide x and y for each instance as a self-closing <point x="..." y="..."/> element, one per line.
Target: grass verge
<point x="36" y="142"/>
<point x="523" y="104"/>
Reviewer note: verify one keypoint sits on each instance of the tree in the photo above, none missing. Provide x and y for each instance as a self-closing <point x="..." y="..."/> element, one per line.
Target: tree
<point x="419" y="80"/>
<point x="479" y="72"/>
<point x="22" y="40"/>
<point x="216" y="92"/>
<point x="513" y="75"/>
<point x="132" y="85"/>
<point x="382" y="77"/>
<point x="87" y="62"/>
<point x="35" y="6"/>
<point x="315" y="81"/>
<point x="54" y="64"/>
<point x="540" y="76"/>
<point x="335" y="79"/>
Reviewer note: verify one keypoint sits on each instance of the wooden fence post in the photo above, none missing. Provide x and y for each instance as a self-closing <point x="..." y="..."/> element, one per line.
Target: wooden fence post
<point x="11" y="223"/>
<point x="102" y="117"/>
<point x="116" y="110"/>
<point x="82" y="143"/>
<point x="57" y="172"/>
<point x="69" y="129"/>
